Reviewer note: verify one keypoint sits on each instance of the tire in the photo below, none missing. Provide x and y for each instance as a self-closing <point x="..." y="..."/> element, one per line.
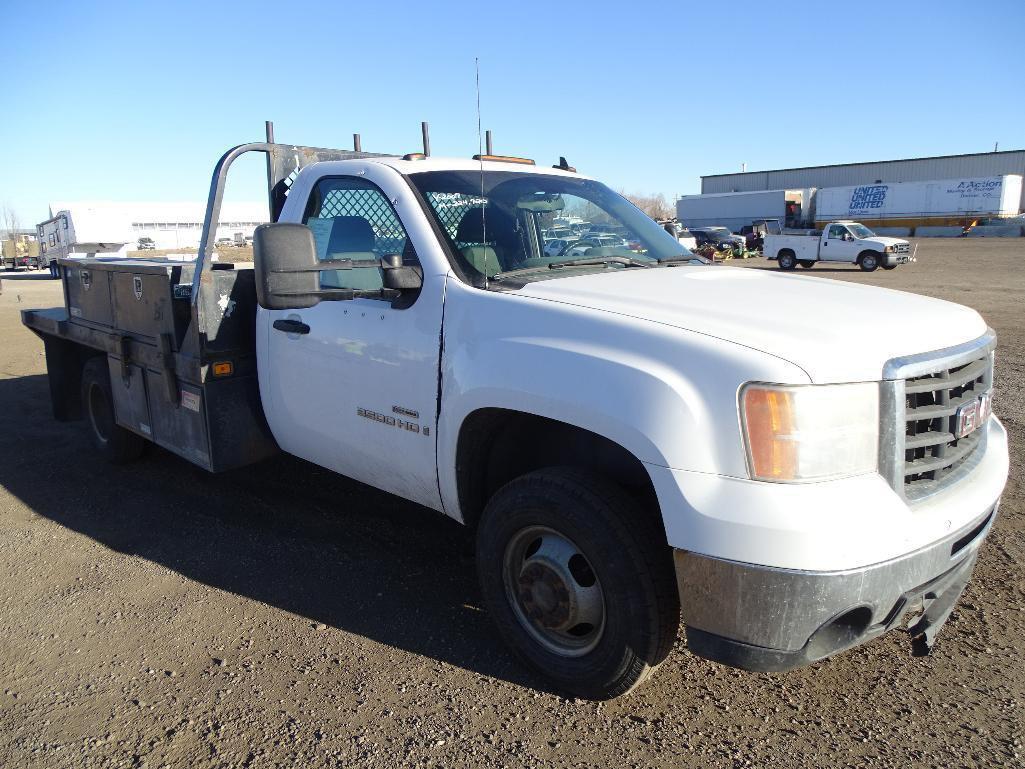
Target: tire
<point x="868" y="261"/>
<point x="118" y="445"/>
<point x="786" y="261"/>
<point x="579" y="580"/>
<point x="888" y="266"/>
<point x="807" y="263"/>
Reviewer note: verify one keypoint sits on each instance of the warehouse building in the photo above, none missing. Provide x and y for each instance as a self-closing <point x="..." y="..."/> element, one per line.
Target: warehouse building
<point x="980" y="164"/>
<point x="170" y="225"/>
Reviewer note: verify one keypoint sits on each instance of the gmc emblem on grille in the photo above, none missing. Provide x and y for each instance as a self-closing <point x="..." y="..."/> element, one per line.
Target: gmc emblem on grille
<point x="970" y="416"/>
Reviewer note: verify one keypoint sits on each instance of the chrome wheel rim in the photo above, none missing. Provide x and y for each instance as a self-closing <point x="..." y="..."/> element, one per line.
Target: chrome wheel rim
<point x="554" y="591"/>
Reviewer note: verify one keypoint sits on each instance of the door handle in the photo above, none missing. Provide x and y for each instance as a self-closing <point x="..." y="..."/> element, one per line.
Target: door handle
<point x="291" y="326"/>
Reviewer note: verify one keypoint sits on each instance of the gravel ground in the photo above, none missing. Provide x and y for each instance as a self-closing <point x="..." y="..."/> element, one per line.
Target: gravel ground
<point x="158" y="616"/>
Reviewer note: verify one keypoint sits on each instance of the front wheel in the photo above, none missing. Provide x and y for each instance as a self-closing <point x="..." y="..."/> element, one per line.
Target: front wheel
<point x="807" y="263"/>
<point x="579" y="580"/>
<point x="868" y="261"/>
<point x="117" y="444"/>
<point x="888" y="266"/>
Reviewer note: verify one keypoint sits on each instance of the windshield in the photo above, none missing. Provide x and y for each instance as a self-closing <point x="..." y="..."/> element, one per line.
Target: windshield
<point x="860" y="230"/>
<point x="505" y="229"/>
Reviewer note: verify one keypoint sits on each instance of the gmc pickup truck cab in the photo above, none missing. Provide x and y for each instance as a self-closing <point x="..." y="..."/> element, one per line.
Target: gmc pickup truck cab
<point x="842" y="241"/>
<point x="630" y="441"/>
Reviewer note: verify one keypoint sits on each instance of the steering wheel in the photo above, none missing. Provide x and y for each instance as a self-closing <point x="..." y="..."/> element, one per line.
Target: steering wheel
<point x="586" y="244"/>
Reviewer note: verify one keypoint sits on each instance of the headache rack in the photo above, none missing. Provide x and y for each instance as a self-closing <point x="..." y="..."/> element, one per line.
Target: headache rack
<point x="921" y="450"/>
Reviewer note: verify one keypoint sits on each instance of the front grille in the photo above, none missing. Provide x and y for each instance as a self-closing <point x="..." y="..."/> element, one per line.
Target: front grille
<point x="932" y="453"/>
<point x="921" y="394"/>
<point x="901" y="248"/>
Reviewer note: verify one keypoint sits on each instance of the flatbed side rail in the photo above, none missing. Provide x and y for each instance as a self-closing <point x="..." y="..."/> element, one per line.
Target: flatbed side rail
<point x="55" y="323"/>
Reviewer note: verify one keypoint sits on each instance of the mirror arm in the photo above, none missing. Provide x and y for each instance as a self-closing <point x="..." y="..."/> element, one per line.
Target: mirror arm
<point x="346" y="294"/>
<point x="329" y="265"/>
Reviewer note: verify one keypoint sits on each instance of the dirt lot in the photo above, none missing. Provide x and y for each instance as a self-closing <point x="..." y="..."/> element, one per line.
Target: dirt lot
<point x="278" y="616"/>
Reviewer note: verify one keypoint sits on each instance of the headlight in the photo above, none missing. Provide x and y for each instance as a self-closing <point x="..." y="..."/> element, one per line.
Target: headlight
<point x="797" y="433"/>
<point x="888" y="250"/>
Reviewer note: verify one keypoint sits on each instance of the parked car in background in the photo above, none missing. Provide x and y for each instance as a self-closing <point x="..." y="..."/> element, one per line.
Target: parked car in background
<point x="719" y="238"/>
<point x="739" y="240"/>
<point x="842" y="241"/>
<point x="587" y="242"/>
<point x="146" y="244"/>
<point x="559" y="233"/>
<point x="556" y="246"/>
<point x="681" y="233"/>
<point x="754" y="235"/>
<point x="224" y="243"/>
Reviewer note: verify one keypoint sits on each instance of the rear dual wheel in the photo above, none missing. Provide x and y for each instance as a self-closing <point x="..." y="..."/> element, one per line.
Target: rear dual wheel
<point x="579" y="580"/>
<point x="114" y="442"/>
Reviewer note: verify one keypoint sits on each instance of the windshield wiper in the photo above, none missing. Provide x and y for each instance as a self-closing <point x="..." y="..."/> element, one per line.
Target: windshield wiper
<point x="685" y="260"/>
<point x="586" y="262"/>
<point x="507" y="273"/>
<point x="626" y="261"/>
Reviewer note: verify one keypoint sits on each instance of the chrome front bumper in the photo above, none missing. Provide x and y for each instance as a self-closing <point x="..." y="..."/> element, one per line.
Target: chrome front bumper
<point x="771" y="619"/>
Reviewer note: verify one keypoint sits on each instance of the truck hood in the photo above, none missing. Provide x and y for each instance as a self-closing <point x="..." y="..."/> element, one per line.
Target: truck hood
<point x="835" y="331"/>
<point x="882" y="241"/>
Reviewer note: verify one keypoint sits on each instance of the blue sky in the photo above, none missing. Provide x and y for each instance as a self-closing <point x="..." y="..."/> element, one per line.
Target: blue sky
<point x="135" y="101"/>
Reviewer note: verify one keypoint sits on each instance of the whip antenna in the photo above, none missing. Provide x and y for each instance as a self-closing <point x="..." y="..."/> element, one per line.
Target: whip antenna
<point x="480" y="154"/>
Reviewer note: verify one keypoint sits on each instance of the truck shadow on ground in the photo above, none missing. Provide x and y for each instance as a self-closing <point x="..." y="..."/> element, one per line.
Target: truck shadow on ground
<point x="283" y="532"/>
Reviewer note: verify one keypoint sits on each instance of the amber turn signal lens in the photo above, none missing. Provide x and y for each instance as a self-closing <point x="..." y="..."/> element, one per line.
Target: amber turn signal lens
<point x="769" y="416"/>
<point x="223" y="368"/>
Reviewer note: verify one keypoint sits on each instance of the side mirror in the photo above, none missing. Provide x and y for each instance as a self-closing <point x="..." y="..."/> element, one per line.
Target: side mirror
<point x="285" y="261"/>
<point x="399" y="276"/>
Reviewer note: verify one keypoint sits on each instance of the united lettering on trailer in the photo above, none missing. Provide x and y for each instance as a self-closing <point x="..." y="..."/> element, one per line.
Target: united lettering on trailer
<point x="872" y="196"/>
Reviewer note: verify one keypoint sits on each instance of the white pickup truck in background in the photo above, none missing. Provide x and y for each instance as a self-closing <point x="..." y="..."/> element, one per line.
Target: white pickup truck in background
<point x="840" y="241"/>
<point x="628" y="438"/>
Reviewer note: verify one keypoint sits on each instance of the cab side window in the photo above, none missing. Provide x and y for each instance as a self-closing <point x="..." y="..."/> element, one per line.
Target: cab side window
<point x="836" y="232"/>
<point x="352" y="219"/>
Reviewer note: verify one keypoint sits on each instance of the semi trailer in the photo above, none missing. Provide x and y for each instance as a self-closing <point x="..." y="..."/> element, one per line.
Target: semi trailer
<point x="629" y="440"/>
<point x="945" y="202"/>
<point x="734" y="210"/>
<point x="910" y="204"/>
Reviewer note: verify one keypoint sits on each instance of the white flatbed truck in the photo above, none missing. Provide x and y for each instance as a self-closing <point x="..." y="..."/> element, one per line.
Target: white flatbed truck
<point x="630" y="443"/>
<point x="840" y="241"/>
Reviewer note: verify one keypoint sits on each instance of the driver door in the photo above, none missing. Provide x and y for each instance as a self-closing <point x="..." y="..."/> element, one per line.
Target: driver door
<point x="356" y="391"/>
<point x="839" y="245"/>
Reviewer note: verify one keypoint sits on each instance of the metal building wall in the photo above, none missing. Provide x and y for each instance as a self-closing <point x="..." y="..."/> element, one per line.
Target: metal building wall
<point x="911" y="170"/>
